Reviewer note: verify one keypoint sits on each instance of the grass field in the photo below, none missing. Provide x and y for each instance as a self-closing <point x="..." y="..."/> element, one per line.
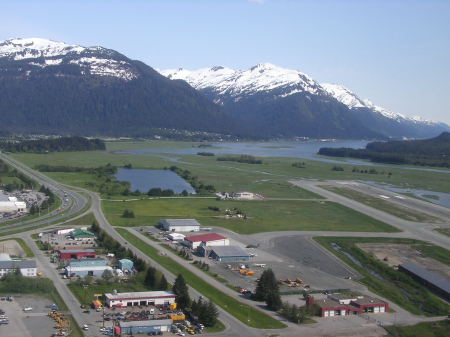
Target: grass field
<point x="262" y="216"/>
<point x="383" y="205"/>
<point x="227" y="176"/>
<point x="241" y="311"/>
<point x="427" y="329"/>
<point x="384" y="280"/>
<point x="85" y="294"/>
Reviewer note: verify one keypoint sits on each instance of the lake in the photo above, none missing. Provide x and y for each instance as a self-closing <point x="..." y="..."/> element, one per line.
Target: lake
<point x="144" y="180"/>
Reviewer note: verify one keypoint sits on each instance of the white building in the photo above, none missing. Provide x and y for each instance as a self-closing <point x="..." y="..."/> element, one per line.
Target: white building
<point x="11" y="204"/>
<point x="27" y="267"/>
<point x="180" y="225"/>
<point x="210" y="239"/>
<point x="142" y="298"/>
<point x="176" y="236"/>
<point x="243" y="195"/>
<point x="63" y="231"/>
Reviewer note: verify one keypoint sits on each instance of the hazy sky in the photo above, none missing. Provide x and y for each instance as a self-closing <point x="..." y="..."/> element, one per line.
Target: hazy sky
<point x="396" y="53"/>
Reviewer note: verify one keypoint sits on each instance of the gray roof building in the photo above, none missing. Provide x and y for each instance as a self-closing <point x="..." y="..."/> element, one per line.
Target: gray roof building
<point x="17" y="264"/>
<point x="229" y="253"/>
<point x="431" y="279"/>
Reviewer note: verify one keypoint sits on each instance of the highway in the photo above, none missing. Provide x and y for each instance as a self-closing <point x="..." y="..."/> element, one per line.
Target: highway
<point x="75" y="202"/>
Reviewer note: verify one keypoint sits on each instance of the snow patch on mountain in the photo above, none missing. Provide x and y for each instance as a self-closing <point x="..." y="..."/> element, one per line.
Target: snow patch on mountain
<point x="43" y="53"/>
<point x="236" y="83"/>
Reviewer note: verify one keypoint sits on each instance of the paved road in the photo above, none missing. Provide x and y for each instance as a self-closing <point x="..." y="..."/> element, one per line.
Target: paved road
<point x="75" y="204"/>
<point x="420" y="231"/>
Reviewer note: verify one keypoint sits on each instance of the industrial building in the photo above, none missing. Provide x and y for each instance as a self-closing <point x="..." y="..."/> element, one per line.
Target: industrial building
<point x="11" y="204"/>
<point x="143" y="327"/>
<point x="72" y="254"/>
<point x="344" y="305"/>
<point x="435" y="282"/>
<point x="81" y="234"/>
<point x="180" y="225"/>
<point x="95" y="271"/>
<point x="7" y="265"/>
<point x="143" y="298"/>
<point x="63" y="231"/>
<point x="126" y="265"/>
<point x="97" y="262"/>
<point x="229" y="253"/>
<point x="210" y="239"/>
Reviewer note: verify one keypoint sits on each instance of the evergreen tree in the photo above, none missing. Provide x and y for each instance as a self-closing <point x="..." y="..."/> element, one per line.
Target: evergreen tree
<point x="273" y="300"/>
<point x="209" y="315"/>
<point x="150" y="277"/>
<point x="163" y="284"/>
<point x="181" y="290"/>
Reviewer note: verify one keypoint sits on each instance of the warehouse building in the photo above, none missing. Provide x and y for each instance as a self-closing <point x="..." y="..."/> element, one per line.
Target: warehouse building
<point x="176" y="236"/>
<point x="435" y="282"/>
<point x="72" y="254"/>
<point x="11" y="204"/>
<point x="144" y="327"/>
<point x="180" y="225"/>
<point x="229" y="253"/>
<point x="27" y="267"/>
<point x="344" y="305"/>
<point x="143" y="298"/>
<point x="95" y="271"/>
<point x="210" y="239"/>
<point x="97" y="262"/>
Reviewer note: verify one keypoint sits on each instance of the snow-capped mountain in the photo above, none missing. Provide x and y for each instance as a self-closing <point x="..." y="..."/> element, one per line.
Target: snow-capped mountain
<point x="46" y="53"/>
<point x="55" y="87"/>
<point x="234" y="90"/>
<point x="235" y="83"/>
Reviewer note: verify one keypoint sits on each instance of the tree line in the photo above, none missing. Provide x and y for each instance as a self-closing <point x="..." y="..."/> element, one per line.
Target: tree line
<point x="243" y="158"/>
<point x="53" y="145"/>
<point x="425" y="152"/>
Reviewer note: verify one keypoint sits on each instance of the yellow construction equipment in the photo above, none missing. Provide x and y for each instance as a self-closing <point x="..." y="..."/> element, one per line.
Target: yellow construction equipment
<point x="173" y="306"/>
<point x="246" y="272"/>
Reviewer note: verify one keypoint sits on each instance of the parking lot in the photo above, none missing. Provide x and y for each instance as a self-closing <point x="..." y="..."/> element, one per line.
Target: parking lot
<point x="34" y="323"/>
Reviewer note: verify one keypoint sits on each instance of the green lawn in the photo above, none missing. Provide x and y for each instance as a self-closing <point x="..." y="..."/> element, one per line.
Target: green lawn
<point x="384" y="280"/>
<point x="262" y="216"/>
<point x="85" y="294"/>
<point x="383" y="205"/>
<point x="241" y="311"/>
<point x="427" y="329"/>
<point x="25" y="247"/>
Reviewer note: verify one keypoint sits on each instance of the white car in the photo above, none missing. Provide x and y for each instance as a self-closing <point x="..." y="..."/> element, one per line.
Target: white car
<point x="27" y="309"/>
<point x="85" y="327"/>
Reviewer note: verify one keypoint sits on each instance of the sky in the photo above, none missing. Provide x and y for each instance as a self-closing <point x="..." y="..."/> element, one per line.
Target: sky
<point x="396" y="53"/>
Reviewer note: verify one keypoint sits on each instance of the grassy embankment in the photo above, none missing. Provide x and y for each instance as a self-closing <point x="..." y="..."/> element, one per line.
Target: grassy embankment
<point x="387" y="282"/>
<point x="262" y="216"/>
<point x="383" y="205"/>
<point x="23" y="245"/>
<point x="426" y="329"/>
<point x="241" y="311"/>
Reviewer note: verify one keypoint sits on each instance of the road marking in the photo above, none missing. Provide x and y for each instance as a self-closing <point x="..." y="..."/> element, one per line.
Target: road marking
<point x="400" y="197"/>
<point x="384" y="196"/>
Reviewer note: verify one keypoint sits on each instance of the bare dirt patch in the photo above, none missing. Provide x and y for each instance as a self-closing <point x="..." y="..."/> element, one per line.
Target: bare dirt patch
<point x="394" y="254"/>
<point x="12" y="248"/>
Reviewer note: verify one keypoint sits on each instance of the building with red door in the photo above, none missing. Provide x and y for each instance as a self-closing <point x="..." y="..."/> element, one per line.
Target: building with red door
<point x="344" y="305"/>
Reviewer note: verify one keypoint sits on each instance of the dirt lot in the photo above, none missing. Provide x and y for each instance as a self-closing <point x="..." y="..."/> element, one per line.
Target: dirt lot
<point x="12" y="248"/>
<point x="400" y="253"/>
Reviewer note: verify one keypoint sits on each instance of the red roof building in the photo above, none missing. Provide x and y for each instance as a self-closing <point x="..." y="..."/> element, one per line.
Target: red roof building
<point x="210" y="239"/>
<point x="68" y="254"/>
<point x="344" y="305"/>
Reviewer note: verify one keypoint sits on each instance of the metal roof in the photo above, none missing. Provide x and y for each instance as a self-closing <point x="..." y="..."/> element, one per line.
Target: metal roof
<point x="140" y="294"/>
<point x="88" y="268"/>
<point x="153" y="322"/>
<point x="75" y="251"/>
<point x="205" y="237"/>
<point x="180" y="222"/>
<point x="223" y="251"/>
<point x="429" y="276"/>
<point x="14" y="264"/>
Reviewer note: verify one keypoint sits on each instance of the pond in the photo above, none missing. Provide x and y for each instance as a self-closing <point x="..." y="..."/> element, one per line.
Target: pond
<point x="144" y="180"/>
